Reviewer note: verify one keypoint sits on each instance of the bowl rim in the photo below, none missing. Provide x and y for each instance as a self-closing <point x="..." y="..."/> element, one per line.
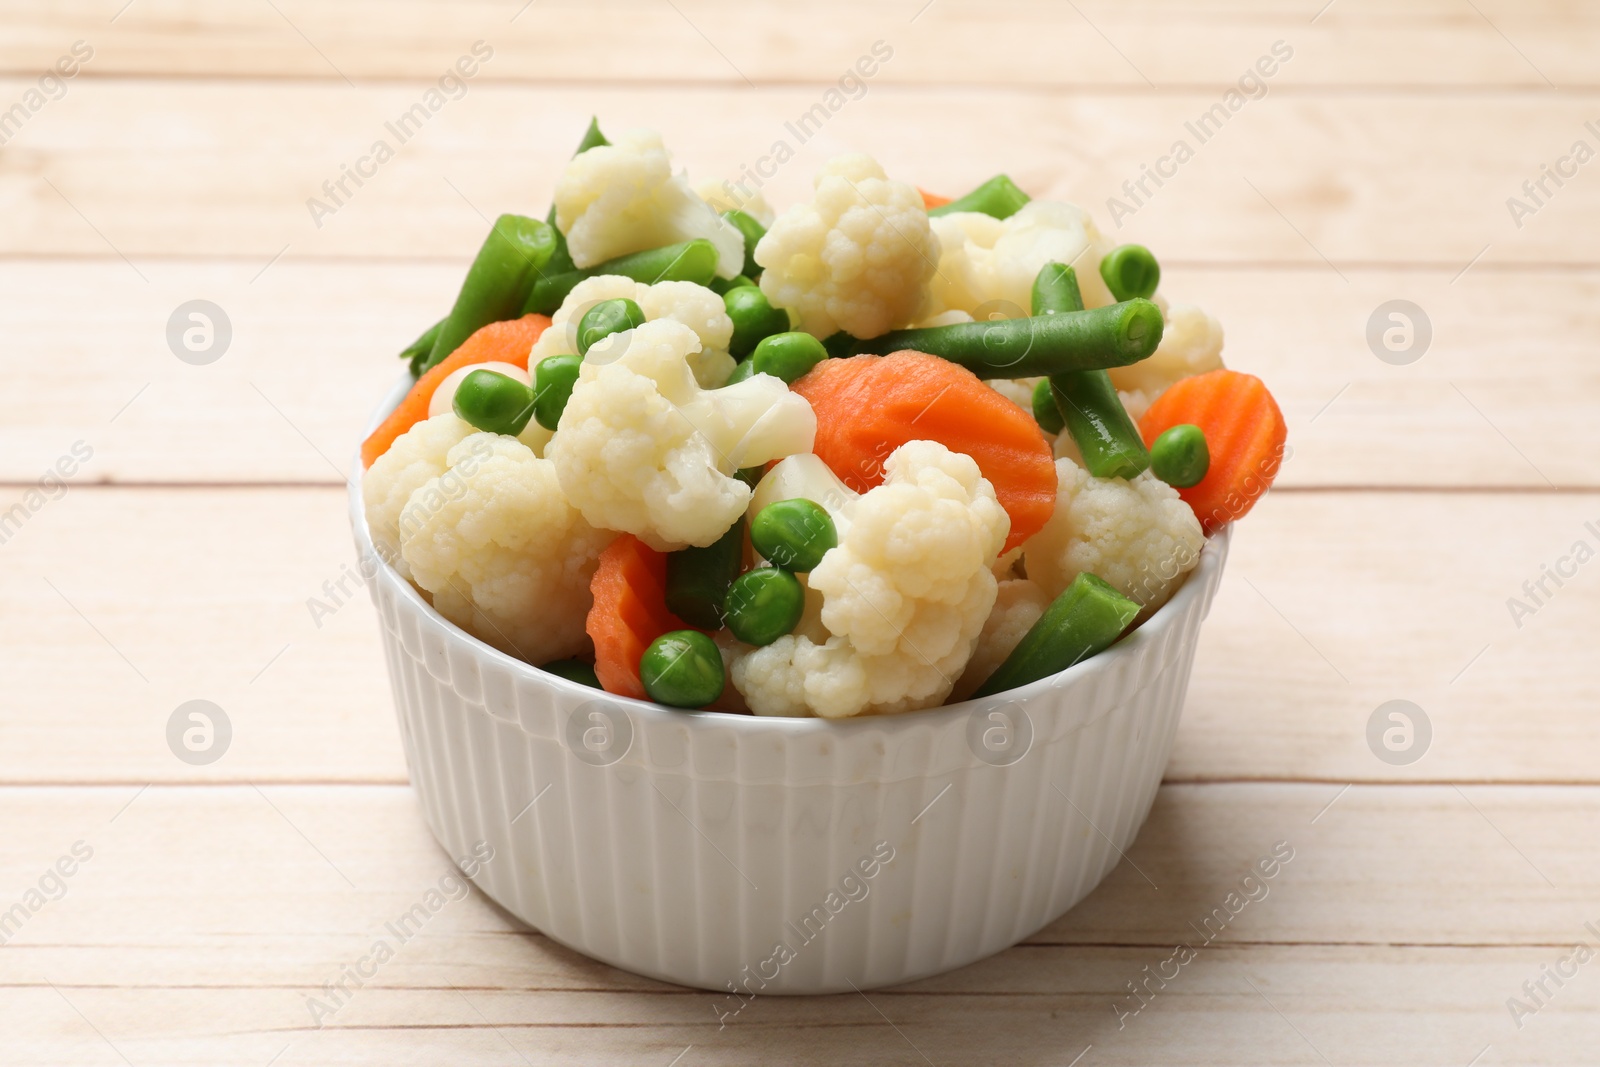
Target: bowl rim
<point x="1129" y="649"/>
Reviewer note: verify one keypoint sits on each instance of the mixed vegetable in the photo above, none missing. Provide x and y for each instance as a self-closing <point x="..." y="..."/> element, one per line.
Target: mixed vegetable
<point x="875" y="453"/>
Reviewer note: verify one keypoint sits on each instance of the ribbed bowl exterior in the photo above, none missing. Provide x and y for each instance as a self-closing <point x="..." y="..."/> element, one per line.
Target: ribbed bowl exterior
<point x="765" y="855"/>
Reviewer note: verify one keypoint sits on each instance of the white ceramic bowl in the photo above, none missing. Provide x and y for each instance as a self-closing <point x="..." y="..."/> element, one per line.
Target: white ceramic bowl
<point x="769" y="855"/>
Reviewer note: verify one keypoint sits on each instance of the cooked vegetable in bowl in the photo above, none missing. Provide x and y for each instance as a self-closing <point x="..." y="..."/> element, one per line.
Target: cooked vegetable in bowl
<point x="863" y="456"/>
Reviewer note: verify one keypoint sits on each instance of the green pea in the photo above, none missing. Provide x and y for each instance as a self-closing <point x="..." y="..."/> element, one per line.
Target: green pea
<point x="606" y="318"/>
<point x="753" y="318"/>
<point x="764" y="604"/>
<point x="1180" y="456"/>
<point x="682" y="669"/>
<point x="494" y="402"/>
<point x="794" y="534"/>
<point x="553" y="380"/>
<point x="753" y="232"/>
<point x="573" y="670"/>
<point x="789" y="355"/>
<point x="740" y="373"/>
<point x="1045" y="410"/>
<point x="1130" y="271"/>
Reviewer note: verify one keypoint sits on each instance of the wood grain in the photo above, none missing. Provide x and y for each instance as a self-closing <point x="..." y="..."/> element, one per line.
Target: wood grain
<point x="1363" y="967"/>
<point x="1418" y="499"/>
<point x="153" y="168"/>
<point x="1090" y="45"/>
<point x="1334" y="604"/>
<point x="312" y="351"/>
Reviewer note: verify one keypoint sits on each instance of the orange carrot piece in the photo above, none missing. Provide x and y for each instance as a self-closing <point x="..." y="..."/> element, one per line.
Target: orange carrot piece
<point x="630" y="611"/>
<point x="499" y="342"/>
<point x="868" y="406"/>
<point x="932" y="200"/>
<point x="1245" y="434"/>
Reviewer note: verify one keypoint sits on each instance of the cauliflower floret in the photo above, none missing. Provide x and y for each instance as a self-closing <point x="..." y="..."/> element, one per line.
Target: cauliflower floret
<point x="417" y="457"/>
<point x="1138" y="535"/>
<point x="1017" y="390"/>
<point x="623" y="197"/>
<point x="989" y="264"/>
<point x="904" y="594"/>
<point x="1017" y="607"/>
<point x="1191" y="343"/>
<point x="643" y="449"/>
<point x="736" y="196"/>
<point x="857" y="258"/>
<point x="693" y="305"/>
<point x="502" y="553"/>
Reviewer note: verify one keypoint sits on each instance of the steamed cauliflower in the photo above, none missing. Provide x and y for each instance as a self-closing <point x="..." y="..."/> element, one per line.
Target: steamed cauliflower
<point x="1138" y="535"/>
<point x="623" y="197"/>
<point x="1017" y="606"/>
<point x="1190" y="344"/>
<point x="416" y="458"/>
<point x="693" y="305"/>
<point x="856" y="258"/>
<point x="501" y="552"/>
<point x="734" y="196"/>
<point x="904" y="594"/>
<point x="641" y="448"/>
<point x="988" y="264"/>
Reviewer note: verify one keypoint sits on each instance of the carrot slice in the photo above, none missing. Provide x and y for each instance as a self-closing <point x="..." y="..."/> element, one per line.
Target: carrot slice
<point x="932" y="200"/>
<point x="868" y="406"/>
<point x="1245" y="434"/>
<point x="630" y="611"/>
<point x="498" y="342"/>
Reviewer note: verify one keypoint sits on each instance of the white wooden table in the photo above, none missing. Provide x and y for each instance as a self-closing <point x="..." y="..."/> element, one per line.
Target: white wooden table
<point x="205" y="510"/>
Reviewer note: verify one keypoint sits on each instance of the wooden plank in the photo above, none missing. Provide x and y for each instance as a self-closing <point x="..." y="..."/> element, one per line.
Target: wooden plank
<point x="153" y="168"/>
<point x="1428" y="43"/>
<point x="1334" y="604"/>
<point x="312" y="346"/>
<point x="1372" y="942"/>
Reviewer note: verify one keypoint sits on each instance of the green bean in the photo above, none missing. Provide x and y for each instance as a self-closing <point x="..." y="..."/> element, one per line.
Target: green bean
<point x="494" y="402"/>
<point x="592" y="137"/>
<point x="1045" y="410"/>
<point x="698" y="578"/>
<point x="1100" y="425"/>
<point x="1084" y="620"/>
<point x="688" y="261"/>
<point x="606" y="318"/>
<point x="721" y="287"/>
<point x="682" y="669"/>
<point x="1110" y="336"/>
<point x="1180" y="455"/>
<point x="789" y="355"/>
<point x="793" y="534"/>
<point x="999" y="196"/>
<point x="1055" y="289"/>
<point x="740" y="373"/>
<point x="1130" y="271"/>
<point x="553" y="380"/>
<point x="753" y="231"/>
<point x="418" y="351"/>
<point x="764" y="604"/>
<point x="574" y="670"/>
<point x="498" y="282"/>
<point x="1086" y="401"/>
<point x="753" y="319"/>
